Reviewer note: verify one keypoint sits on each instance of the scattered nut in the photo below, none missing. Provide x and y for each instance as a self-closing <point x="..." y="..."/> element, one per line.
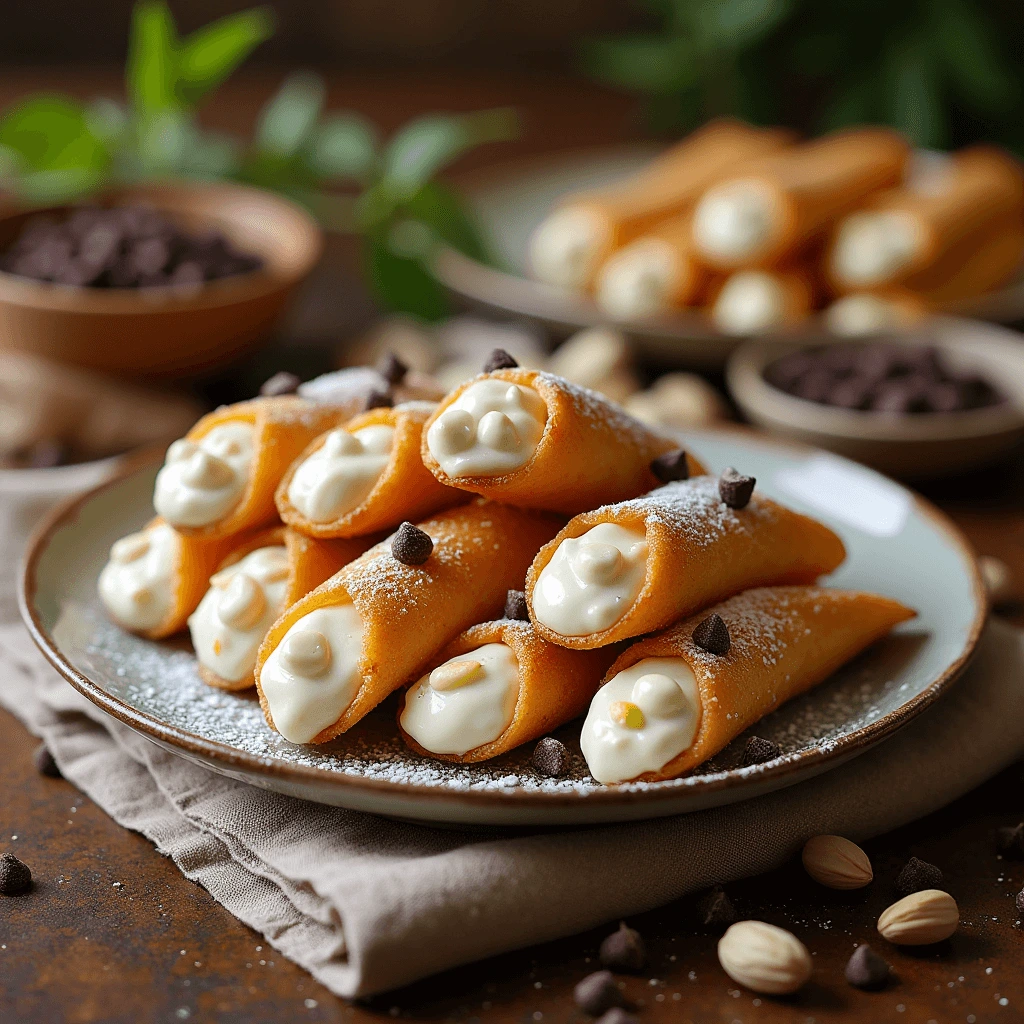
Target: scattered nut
<point x="920" y="919"/>
<point x="678" y="400"/>
<point x="837" y="863"/>
<point x="454" y="674"/>
<point x="616" y="1015"/>
<point x="998" y="579"/>
<point x="623" y="950"/>
<point x="598" y="358"/>
<point x="764" y="958"/>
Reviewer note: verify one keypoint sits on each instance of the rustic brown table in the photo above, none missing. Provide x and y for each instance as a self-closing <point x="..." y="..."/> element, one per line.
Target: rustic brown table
<point x="155" y="947"/>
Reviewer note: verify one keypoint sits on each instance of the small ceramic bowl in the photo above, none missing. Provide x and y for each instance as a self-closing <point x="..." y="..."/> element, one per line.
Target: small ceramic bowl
<point x="913" y="447"/>
<point x="167" y="332"/>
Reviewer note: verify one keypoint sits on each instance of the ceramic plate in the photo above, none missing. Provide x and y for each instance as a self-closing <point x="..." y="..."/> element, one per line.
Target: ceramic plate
<point x="510" y="202"/>
<point x="898" y="545"/>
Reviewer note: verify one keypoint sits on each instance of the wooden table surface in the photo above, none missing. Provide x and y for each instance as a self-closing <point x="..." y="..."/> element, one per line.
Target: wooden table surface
<point x="158" y="948"/>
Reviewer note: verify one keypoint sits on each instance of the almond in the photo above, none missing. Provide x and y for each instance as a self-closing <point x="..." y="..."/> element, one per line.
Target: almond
<point x="837" y="863"/>
<point x="764" y="958"/>
<point x="920" y="919"/>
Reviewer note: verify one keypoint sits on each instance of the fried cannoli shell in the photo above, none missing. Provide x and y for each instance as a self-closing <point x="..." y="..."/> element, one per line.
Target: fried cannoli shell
<point x="409" y="612"/>
<point x="699" y="551"/>
<point x="784" y="641"/>
<point x="796" y="287"/>
<point x="284" y="426"/>
<point x="405" y="491"/>
<point x="591" y="452"/>
<point x="556" y="684"/>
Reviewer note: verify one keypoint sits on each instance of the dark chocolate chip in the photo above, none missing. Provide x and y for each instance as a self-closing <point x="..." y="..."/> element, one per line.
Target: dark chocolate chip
<point x="758" y="750"/>
<point x="735" y="489"/>
<point x="47" y="453"/>
<point x="515" y="606"/>
<point x="1019" y="901"/>
<point x="44" y="762"/>
<point x="1010" y="842"/>
<point x="597" y="993"/>
<point x="715" y="910"/>
<point x="392" y="369"/>
<point x="378" y="400"/>
<point x="623" y="950"/>
<point x="712" y="635"/>
<point x="499" y="359"/>
<point x="187" y="275"/>
<point x="917" y="875"/>
<point x="617" y="1015"/>
<point x="15" y="877"/>
<point x="867" y="970"/>
<point x="671" y="466"/>
<point x="551" y="757"/>
<point x="411" y="546"/>
<point x="282" y="383"/>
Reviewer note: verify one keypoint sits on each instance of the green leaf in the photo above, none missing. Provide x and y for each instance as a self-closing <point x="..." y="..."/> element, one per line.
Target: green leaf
<point x="733" y="24"/>
<point x="107" y="120"/>
<point x="915" y="104"/>
<point x="287" y="121"/>
<point x="343" y="147"/>
<point x="427" y="144"/>
<point x="209" y="55"/>
<point x="162" y="142"/>
<point x="151" y="70"/>
<point x="440" y="209"/>
<point x="851" y="103"/>
<point x="401" y="284"/>
<point x="46" y="188"/>
<point x="643" y="63"/>
<point x="51" y="133"/>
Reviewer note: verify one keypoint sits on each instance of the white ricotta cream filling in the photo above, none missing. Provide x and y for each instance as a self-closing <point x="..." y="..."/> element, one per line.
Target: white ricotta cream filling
<point x="340" y="474"/>
<point x="312" y="676"/>
<point x="137" y="584"/>
<point x="735" y="220"/>
<point x="592" y="580"/>
<point x="235" y="613"/>
<point x="464" y="703"/>
<point x="201" y="481"/>
<point x="565" y="247"/>
<point x="637" y="281"/>
<point x="871" y="248"/>
<point x="641" y="719"/>
<point x="750" y="302"/>
<point x="854" y="315"/>
<point x="493" y="427"/>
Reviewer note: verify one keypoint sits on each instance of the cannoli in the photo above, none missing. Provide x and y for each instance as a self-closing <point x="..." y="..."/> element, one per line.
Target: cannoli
<point x="221" y="476"/>
<point x="533" y="439"/>
<point x="669" y="703"/>
<point x="344" y="647"/>
<point x="265" y="574"/>
<point x="155" y="578"/>
<point x="905" y="232"/>
<point x="783" y="201"/>
<point x="494" y="687"/>
<point x="632" y="568"/>
<point x="759" y="301"/>
<point x="572" y="242"/>
<point x="869" y="313"/>
<point x="365" y="476"/>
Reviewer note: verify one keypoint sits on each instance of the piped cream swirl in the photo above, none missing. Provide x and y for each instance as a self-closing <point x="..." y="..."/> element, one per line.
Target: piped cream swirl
<point x="137" y="584"/>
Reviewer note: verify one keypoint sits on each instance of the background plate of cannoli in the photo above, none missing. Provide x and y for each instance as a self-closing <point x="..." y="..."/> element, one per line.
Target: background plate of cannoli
<point x="738" y="231"/>
<point x="513" y="604"/>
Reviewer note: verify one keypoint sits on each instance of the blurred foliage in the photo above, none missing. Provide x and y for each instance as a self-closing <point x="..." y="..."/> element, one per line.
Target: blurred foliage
<point x="54" y="149"/>
<point x="945" y="72"/>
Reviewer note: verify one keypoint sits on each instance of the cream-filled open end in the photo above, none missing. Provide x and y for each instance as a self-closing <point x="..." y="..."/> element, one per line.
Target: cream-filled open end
<point x="750" y="302"/>
<point x="875" y="247"/>
<point x="639" y="280"/>
<point x="565" y="248"/>
<point x="735" y="221"/>
<point x="137" y="584"/>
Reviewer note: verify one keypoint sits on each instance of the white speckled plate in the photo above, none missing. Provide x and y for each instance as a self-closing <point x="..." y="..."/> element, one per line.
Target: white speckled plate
<point x="898" y="545"/>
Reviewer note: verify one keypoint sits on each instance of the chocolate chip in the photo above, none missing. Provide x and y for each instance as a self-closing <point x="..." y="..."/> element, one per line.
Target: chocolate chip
<point x="551" y="757"/>
<point x="499" y="359"/>
<point x="411" y="546"/>
<point x="712" y="635"/>
<point x="715" y="910"/>
<point x="392" y="369"/>
<point x="44" y="762"/>
<point x="735" y="489"/>
<point x="917" y="875"/>
<point x="282" y="383"/>
<point x="867" y="970"/>
<point x="1019" y="901"/>
<point x="598" y="993"/>
<point x="623" y="950"/>
<point x="617" y="1015"/>
<point x="671" y="466"/>
<point x="758" y="750"/>
<point x="1010" y="842"/>
<point x="15" y="877"/>
<point x="378" y="400"/>
<point x="515" y="606"/>
<point x="47" y="453"/>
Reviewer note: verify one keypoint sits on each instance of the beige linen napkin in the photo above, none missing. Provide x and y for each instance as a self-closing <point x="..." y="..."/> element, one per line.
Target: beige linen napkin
<point x="366" y="904"/>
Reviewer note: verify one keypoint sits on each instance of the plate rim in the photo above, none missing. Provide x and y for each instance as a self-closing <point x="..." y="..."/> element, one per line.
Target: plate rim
<point x="505" y="799"/>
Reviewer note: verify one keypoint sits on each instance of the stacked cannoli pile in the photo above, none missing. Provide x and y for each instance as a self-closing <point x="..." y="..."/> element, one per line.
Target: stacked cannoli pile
<point x="509" y="558"/>
<point x="760" y="230"/>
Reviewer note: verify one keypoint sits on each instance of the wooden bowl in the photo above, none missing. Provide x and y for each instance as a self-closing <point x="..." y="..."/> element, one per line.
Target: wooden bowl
<point x="167" y="332"/>
<point x="909" y="447"/>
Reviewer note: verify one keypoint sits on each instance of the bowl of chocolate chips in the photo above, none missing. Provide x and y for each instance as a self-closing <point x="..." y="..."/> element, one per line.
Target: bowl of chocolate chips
<point x="164" y="279"/>
<point x="940" y="401"/>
